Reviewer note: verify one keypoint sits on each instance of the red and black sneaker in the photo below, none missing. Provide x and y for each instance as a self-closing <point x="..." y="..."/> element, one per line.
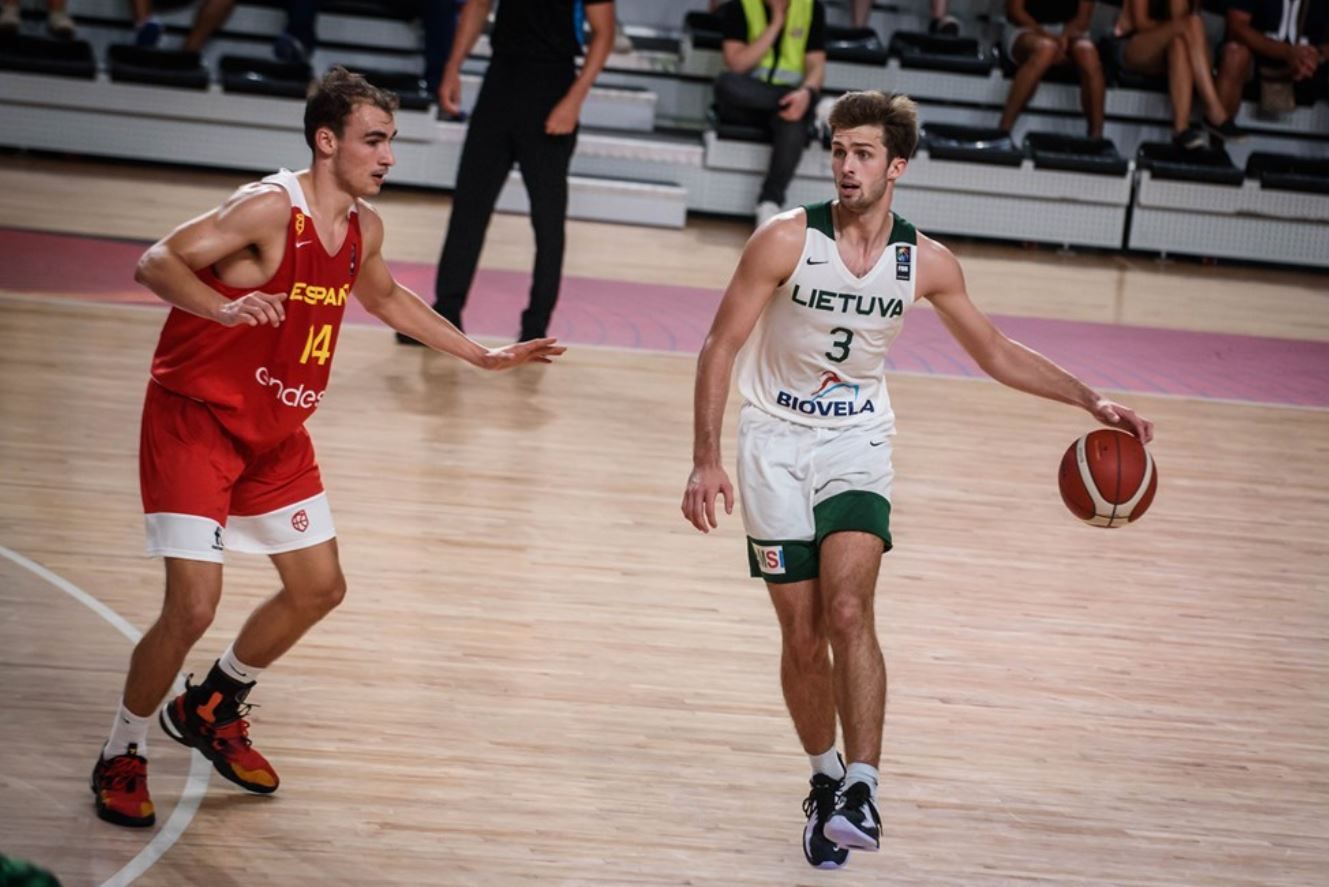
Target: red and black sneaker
<point x="120" y="785"/>
<point x="204" y="719"/>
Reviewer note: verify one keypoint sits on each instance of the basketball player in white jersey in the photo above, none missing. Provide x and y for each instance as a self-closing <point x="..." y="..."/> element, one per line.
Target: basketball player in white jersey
<point x="819" y="294"/>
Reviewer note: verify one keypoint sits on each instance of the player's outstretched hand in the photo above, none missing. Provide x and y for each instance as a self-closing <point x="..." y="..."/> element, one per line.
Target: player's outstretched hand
<point x="518" y="353"/>
<point x="705" y="484"/>
<point x="254" y="309"/>
<point x="1125" y="418"/>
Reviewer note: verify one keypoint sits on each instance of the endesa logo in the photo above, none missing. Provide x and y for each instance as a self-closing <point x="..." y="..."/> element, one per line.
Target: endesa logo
<point x="333" y="297"/>
<point x="298" y="397"/>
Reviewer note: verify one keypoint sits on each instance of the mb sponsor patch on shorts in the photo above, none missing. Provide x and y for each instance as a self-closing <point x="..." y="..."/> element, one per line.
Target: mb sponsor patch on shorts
<point x="770" y="558"/>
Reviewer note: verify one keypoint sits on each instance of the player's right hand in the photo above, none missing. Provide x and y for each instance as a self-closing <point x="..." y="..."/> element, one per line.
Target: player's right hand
<point x="254" y="309"/>
<point x="449" y="92"/>
<point x="705" y="484"/>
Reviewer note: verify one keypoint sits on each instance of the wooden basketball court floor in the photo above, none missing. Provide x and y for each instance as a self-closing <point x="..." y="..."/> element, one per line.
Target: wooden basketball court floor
<point x="542" y="675"/>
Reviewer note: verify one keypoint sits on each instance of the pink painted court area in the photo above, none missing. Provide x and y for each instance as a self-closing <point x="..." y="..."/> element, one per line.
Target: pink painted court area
<point x="614" y="313"/>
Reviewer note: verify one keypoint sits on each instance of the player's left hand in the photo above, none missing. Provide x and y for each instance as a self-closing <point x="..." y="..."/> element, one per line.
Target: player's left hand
<point x="563" y="119"/>
<point x="518" y="353"/>
<point x="1117" y="416"/>
<point x="794" y="105"/>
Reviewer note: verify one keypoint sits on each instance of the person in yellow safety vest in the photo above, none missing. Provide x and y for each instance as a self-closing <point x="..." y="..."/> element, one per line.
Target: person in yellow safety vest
<point x="775" y="56"/>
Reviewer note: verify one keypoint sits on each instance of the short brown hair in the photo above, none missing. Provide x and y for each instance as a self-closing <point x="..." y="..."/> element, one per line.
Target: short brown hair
<point x="335" y="98"/>
<point x="896" y="114"/>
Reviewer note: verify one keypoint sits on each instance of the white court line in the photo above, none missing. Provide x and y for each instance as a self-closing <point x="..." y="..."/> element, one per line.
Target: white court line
<point x="196" y="784"/>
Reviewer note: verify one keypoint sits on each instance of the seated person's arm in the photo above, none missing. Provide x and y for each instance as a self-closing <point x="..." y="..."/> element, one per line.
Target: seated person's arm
<point x="1079" y="25"/>
<point x="1140" y="15"/>
<point x="740" y="56"/>
<point x="1240" y="27"/>
<point x="814" y="71"/>
<point x="1018" y="15"/>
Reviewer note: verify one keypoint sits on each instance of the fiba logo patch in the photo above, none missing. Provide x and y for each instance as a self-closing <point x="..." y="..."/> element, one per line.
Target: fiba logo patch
<point x="300" y="520"/>
<point x="770" y="558"/>
<point x="353" y="260"/>
<point x="903" y="258"/>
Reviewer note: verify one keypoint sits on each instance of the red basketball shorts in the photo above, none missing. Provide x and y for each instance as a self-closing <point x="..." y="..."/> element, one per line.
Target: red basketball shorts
<point x="203" y="492"/>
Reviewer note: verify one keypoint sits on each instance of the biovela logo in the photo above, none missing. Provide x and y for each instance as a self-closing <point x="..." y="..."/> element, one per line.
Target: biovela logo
<point x="828" y="399"/>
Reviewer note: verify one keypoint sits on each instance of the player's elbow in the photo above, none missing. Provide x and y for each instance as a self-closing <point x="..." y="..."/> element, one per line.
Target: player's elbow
<point x="149" y="266"/>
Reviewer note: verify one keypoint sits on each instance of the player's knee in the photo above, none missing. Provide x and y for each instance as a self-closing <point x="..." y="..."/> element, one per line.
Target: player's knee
<point x="847" y="617"/>
<point x="804" y="647"/>
<point x="189" y="621"/>
<point x="326" y="596"/>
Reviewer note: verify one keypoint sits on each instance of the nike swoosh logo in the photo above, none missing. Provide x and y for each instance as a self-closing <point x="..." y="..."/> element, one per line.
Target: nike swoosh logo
<point x="300" y="243"/>
<point x="876" y="443"/>
<point x="822" y="262"/>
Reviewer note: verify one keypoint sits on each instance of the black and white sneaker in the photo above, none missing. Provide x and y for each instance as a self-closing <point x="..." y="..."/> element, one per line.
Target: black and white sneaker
<point x="855" y="823"/>
<point x="818" y="806"/>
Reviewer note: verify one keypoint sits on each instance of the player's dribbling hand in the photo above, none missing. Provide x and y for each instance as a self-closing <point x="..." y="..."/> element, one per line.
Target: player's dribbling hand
<point x="255" y="309"/>
<point x="1117" y="416"/>
<point x="518" y="353"/>
<point x="705" y="485"/>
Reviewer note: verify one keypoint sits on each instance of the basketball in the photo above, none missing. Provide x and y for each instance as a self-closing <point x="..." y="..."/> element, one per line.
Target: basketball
<point x="1108" y="478"/>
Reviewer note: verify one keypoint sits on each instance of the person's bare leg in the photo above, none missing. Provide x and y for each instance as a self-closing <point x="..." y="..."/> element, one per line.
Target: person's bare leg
<point x="1233" y="71"/>
<point x="1197" y="46"/>
<point x="850" y="562"/>
<point x="1093" y="86"/>
<point x="862" y="12"/>
<point x="1035" y="55"/>
<point x="211" y="15"/>
<point x="312" y="586"/>
<point x="805" y="664"/>
<point x="1180" y="85"/>
<point x="193" y="589"/>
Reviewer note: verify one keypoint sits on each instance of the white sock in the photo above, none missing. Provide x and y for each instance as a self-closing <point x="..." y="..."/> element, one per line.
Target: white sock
<point x="865" y="773"/>
<point x="235" y="669"/>
<point x="128" y="729"/>
<point x="828" y="763"/>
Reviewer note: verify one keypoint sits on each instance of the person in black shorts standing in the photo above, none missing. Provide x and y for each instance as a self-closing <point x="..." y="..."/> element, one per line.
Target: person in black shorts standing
<point x="527" y="114"/>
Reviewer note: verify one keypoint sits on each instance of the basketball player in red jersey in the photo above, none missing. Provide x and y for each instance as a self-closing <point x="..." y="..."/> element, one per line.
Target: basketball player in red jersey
<point x="258" y="288"/>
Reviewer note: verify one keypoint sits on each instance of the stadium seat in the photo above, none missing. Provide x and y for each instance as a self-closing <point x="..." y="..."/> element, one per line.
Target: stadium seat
<point x="856" y="45"/>
<point x="972" y="144"/>
<point x="44" y="55"/>
<point x="704" y="28"/>
<point x="264" y="76"/>
<point x="410" y="88"/>
<point x="937" y="53"/>
<point x="1052" y="150"/>
<point x="178" y="69"/>
<point x="1212" y="166"/>
<point x="1285" y="172"/>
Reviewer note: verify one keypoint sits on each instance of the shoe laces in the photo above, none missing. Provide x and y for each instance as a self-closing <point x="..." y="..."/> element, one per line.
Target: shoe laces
<point x="858" y="796"/>
<point x="234" y="730"/>
<point x="822" y="797"/>
<point x="124" y="772"/>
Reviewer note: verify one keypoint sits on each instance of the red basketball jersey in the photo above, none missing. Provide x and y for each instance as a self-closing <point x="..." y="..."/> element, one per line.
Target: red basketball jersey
<point x="263" y="382"/>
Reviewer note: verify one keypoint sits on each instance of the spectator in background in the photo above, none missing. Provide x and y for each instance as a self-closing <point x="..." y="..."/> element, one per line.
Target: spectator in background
<point x="776" y="55"/>
<point x="58" y="21"/>
<point x="211" y="15"/>
<point x="438" y="20"/>
<point x="1167" y="37"/>
<point x="1042" y="34"/>
<point x="1288" y="43"/>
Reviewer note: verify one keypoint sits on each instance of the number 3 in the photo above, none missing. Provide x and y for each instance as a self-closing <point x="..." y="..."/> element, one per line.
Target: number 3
<point x="842" y="345"/>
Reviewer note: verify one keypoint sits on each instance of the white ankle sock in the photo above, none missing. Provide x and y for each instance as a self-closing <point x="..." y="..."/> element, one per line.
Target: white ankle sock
<point x="865" y="773"/>
<point x="235" y="669"/>
<point x="128" y="729"/>
<point x="828" y="763"/>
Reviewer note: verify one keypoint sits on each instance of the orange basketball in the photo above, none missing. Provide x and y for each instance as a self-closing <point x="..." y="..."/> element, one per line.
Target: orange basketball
<point x="1108" y="478"/>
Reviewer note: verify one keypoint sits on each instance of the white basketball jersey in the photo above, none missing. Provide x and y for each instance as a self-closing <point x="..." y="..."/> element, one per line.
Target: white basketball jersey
<point x="818" y="353"/>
